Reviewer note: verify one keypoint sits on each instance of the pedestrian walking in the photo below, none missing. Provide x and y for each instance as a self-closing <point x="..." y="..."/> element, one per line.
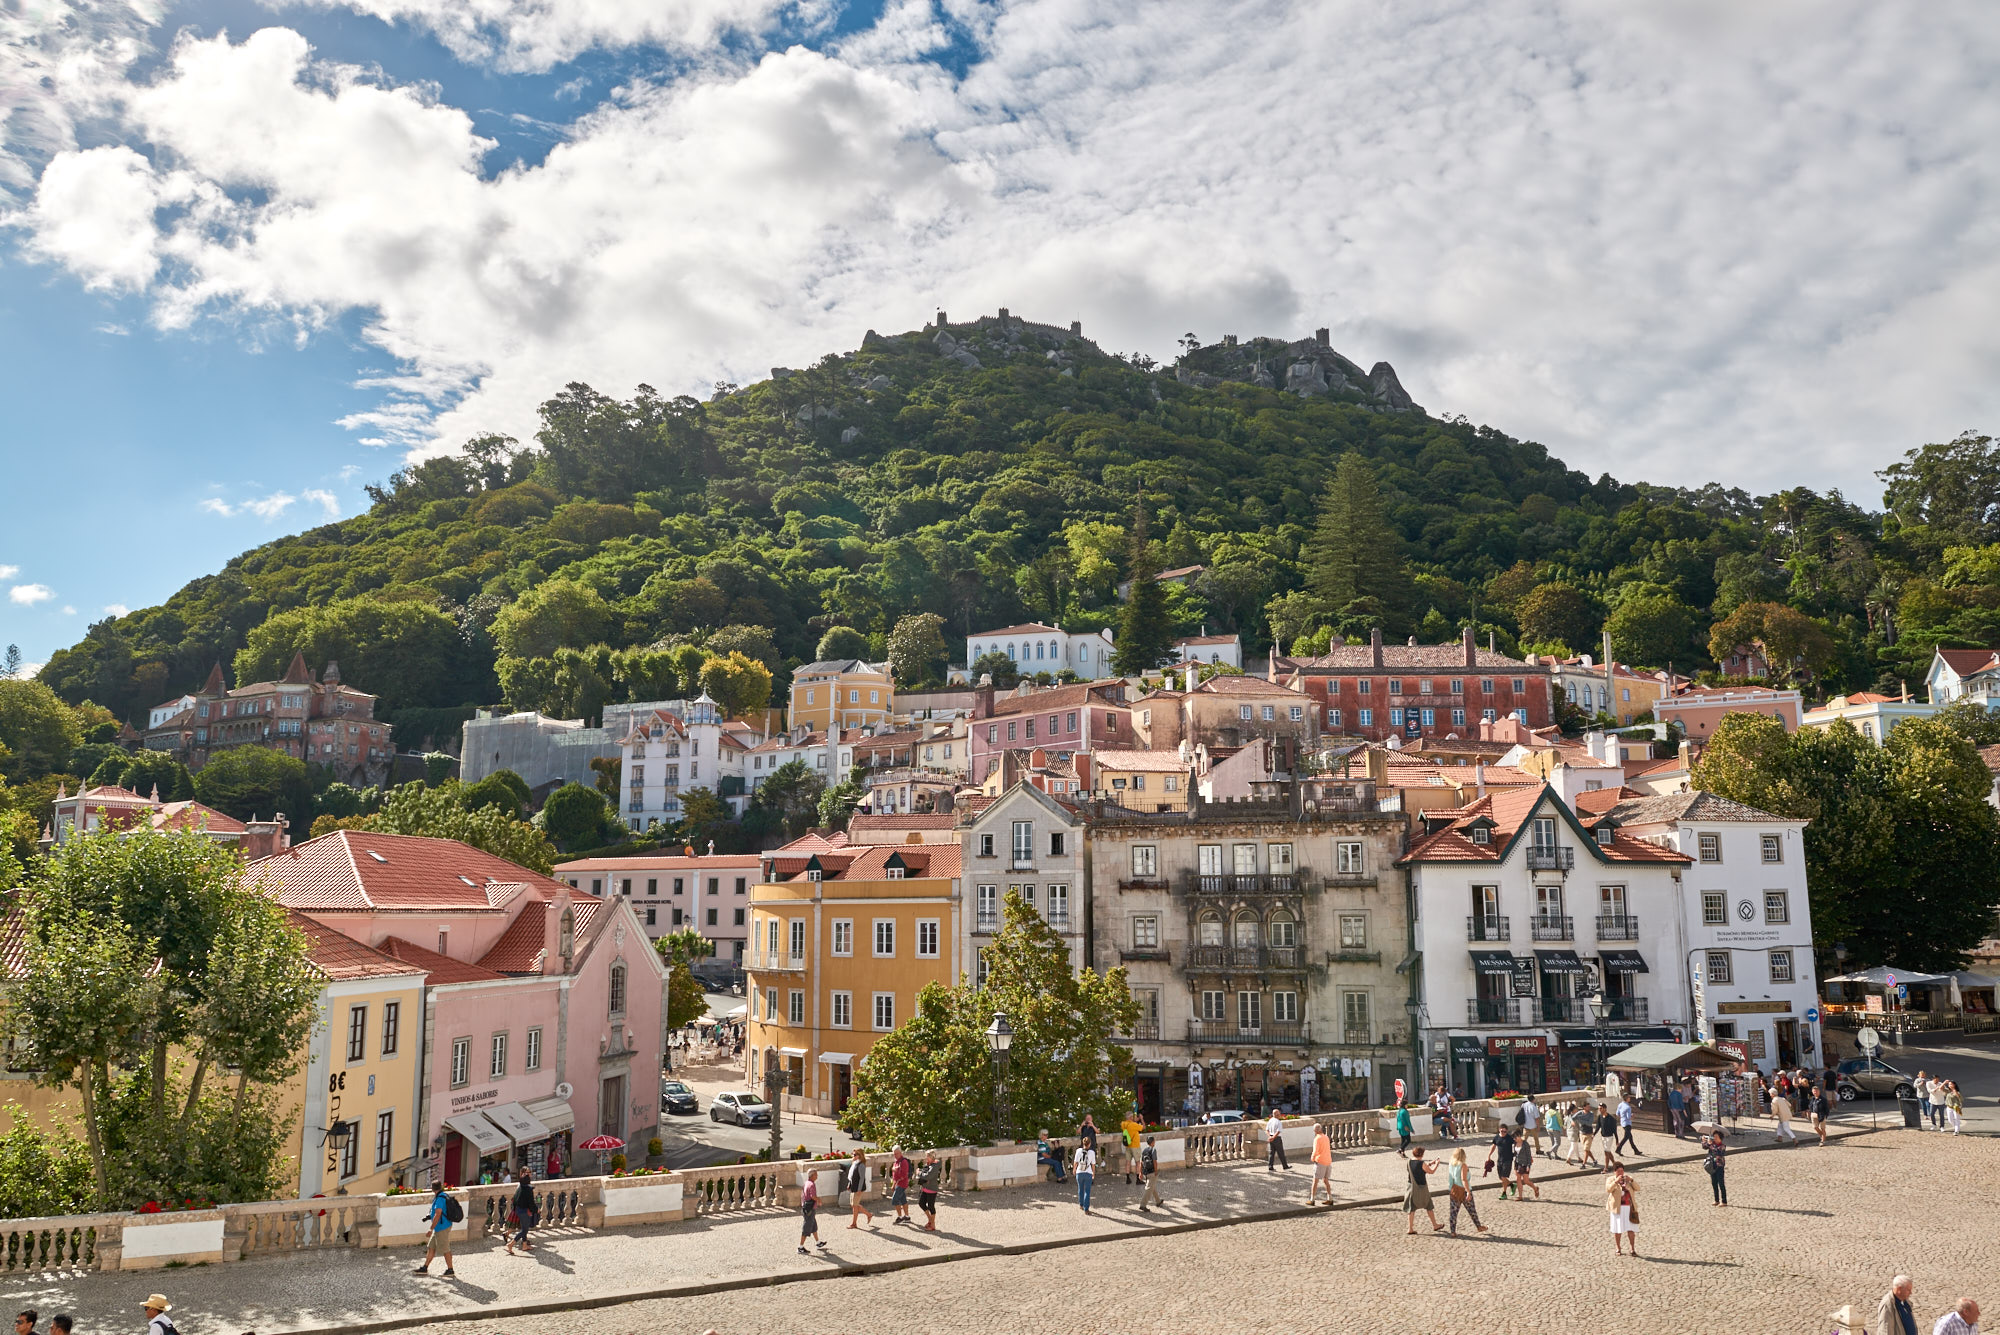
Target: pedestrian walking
<point x="1625" y="1140"/>
<point x="929" y="1178"/>
<point x="1895" y="1314"/>
<point x="1322" y="1165"/>
<point x="1586" y="1130"/>
<point x="444" y="1212"/>
<point x="1458" y="1182"/>
<point x="1552" y="1123"/>
<point x="526" y="1216"/>
<point x="1417" y="1196"/>
<point x="1131" y="1129"/>
<point x="1447" y="1123"/>
<point x="1529" y="1119"/>
<point x="1954" y="1106"/>
<point x="809" y="1214"/>
<point x="24" y="1321"/>
<point x="855" y="1182"/>
<point x="1781" y="1108"/>
<point x="1149" y="1176"/>
<point x="1822" y="1107"/>
<point x="1621" y="1200"/>
<point x="1676" y="1111"/>
<point x="1962" y="1319"/>
<point x="1274" y="1142"/>
<point x="1607" y="1130"/>
<point x="1501" y="1152"/>
<point x="1713" y="1158"/>
<point x="1922" y="1085"/>
<point x="1087" y="1132"/>
<point x="1939" y="1088"/>
<point x="900" y="1172"/>
<point x="62" y="1323"/>
<point x="1404" y="1128"/>
<point x="1524" y="1162"/>
<point x="157" y="1321"/>
<point x="1085" y="1168"/>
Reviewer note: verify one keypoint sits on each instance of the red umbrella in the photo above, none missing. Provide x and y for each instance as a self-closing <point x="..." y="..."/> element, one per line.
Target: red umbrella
<point x="602" y="1142"/>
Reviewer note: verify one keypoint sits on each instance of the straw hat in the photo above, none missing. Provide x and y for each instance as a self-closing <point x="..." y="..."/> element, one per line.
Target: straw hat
<point x="158" y="1303"/>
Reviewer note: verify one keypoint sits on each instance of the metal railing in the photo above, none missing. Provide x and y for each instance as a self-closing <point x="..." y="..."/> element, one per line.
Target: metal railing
<point x="1492" y="1010"/>
<point x="1552" y="927"/>
<point x="1146" y="1029"/>
<point x="1290" y="1033"/>
<point x="1564" y="1010"/>
<point x="1487" y="927"/>
<point x="1629" y="1010"/>
<point x="1617" y="927"/>
<point x="1244" y="883"/>
<point x="986" y="922"/>
<point x="1058" y="919"/>
<point x="1550" y="859"/>
<point x="1211" y="958"/>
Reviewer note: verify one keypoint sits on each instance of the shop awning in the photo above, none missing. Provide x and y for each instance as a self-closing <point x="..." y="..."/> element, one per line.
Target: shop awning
<point x="479" y="1131"/>
<point x="837" y="1058"/>
<point x="1492" y="961"/>
<point x="1623" y="961"/>
<point x="553" y="1113"/>
<point x="792" y="1052"/>
<point x="1615" y="1038"/>
<point x="519" y="1125"/>
<point x="1467" y="1048"/>
<point x="1560" y="961"/>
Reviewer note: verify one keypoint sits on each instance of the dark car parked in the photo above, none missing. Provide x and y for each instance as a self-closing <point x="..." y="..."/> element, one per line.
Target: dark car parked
<point x="676" y="1097"/>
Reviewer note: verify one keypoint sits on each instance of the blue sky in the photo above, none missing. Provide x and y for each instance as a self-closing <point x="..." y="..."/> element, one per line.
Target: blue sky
<point x="255" y="253"/>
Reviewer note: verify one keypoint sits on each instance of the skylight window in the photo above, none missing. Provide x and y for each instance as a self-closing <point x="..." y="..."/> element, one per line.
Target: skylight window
<point x="377" y="856"/>
<point x="469" y="881"/>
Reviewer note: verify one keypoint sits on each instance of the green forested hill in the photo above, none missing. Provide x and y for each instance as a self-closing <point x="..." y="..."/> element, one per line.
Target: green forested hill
<point x="992" y="477"/>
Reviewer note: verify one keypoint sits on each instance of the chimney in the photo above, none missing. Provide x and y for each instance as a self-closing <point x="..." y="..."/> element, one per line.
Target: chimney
<point x="1610" y="677"/>
<point x="1489" y="641"/>
<point x="1479" y="777"/>
<point x="1193" y="676"/>
<point x="1375" y="643"/>
<point x="1325" y="337"/>
<point x="1471" y="649"/>
<point x="552" y="911"/>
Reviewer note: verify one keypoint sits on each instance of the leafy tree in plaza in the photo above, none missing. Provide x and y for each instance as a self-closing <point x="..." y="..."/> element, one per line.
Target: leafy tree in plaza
<point x="1902" y="851"/>
<point x="738" y="683"/>
<point x="437" y="813"/>
<point x="841" y="642"/>
<point x="249" y="781"/>
<point x="1004" y="671"/>
<point x="37" y="729"/>
<point x="686" y="999"/>
<point x="918" y="654"/>
<point x="259" y="1001"/>
<point x="931" y="1082"/>
<point x="573" y="815"/>
<point x="1146" y="632"/>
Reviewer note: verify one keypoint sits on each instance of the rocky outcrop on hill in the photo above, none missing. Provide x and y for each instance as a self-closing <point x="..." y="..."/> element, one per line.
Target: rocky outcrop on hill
<point x="1305" y="367"/>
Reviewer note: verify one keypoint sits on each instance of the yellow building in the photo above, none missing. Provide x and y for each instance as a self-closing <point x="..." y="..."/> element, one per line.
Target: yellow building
<point x="841" y="693"/>
<point x="1139" y="780"/>
<point x="1624" y="693"/>
<point x="840" y="945"/>
<point x="353" y="1105"/>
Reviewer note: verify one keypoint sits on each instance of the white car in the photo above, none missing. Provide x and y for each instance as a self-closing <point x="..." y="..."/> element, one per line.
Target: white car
<point x="740" y="1107"/>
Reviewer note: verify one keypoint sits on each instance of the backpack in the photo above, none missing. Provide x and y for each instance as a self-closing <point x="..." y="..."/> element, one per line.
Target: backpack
<point x="1148" y="1159"/>
<point x="1520" y="1117"/>
<point x="454" y="1210"/>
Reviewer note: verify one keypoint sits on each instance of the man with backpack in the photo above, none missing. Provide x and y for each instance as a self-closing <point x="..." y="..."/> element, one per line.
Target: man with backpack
<point x="1149" y="1176"/>
<point x="157" y="1321"/>
<point x="444" y="1212"/>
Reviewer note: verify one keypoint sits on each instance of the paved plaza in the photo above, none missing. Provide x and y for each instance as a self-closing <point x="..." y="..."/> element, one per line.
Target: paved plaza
<point x="1809" y="1229"/>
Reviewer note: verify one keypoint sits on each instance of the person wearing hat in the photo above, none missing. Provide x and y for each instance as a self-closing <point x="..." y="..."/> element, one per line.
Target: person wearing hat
<point x="157" y="1320"/>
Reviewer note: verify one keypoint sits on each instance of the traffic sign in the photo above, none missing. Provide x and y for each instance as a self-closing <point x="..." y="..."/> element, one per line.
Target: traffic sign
<point x="1890" y="979"/>
<point x="1812" y="1015"/>
<point x="1868" y="1040"/>
<point x="1903" y="992"/>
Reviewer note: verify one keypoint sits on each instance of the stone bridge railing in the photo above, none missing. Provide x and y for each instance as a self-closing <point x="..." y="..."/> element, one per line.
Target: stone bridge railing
<point x="108" y="1242"/>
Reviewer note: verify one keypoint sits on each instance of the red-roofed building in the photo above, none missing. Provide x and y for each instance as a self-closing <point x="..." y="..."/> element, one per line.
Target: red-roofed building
<point x="107" y="807"/>
<point x="1525" y="912"/>
<point x="320" y="721"/>
<point x="1059" y="720"/>
<point x="670" y="889"/>
<point x="533" y="988"/>
<point x="1380" y="691"/>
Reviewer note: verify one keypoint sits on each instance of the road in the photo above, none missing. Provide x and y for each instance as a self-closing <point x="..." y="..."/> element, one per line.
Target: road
<point x="1973" y="1063"/>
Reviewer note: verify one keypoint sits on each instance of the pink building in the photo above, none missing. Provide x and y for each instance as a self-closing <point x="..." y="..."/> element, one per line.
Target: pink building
<point x="669" y="891"/>
<point x="1700" y="709"/>
<point x="1059" y="720"/>
<point x="544" y="1008"/>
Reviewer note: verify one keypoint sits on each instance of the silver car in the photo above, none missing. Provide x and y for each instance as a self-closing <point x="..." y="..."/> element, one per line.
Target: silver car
<point x="1871" y="1075"/>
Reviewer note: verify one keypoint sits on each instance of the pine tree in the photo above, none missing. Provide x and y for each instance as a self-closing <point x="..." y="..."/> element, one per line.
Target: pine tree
<point x="1354" y="560"/>
<point x="1145" y="631"/>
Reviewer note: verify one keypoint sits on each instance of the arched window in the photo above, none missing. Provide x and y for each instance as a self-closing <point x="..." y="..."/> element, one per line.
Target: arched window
<point x="1284" y="932"/>
<point x="1247" y="930"/>
<point x="1208" y="931"/>
<point x="1010" y="651"/>
<point x="617" y="990"/>
<point x="1038" y="649"/>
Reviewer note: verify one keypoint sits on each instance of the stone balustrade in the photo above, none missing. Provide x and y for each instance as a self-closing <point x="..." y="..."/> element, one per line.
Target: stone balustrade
<point x="110" y="1242"/>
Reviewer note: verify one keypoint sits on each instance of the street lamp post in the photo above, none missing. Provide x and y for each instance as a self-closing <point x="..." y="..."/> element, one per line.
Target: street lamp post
<point x="999" y="1038"/>
<point x="1600" y="1011"/>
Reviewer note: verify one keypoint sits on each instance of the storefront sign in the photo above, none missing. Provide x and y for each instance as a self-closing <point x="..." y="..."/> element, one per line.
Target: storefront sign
<point x="460" y="1102"/>
<point x="1615" y="1039"/>
<point x="1517" y="1047"/>
<point x="1754" y="1008"/>
<point x="1524" y="976"/>
<point x="1735" y="1047"/>
<point x="1466" y="1048"/>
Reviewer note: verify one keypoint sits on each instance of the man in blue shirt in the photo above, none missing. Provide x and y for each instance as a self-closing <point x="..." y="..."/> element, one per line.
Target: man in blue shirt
<point x="439" y="1219"/>
<point x="1625" y="1140"/>
<point x="1677" y="1112"/>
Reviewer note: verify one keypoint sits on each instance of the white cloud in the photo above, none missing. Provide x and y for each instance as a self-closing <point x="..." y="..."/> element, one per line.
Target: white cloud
<point x="8" y="572"/>
<point x="29" y="671"/>
<point x="59" y="59"/>
<point x="267" y="507"/>
<point x="1674" y="244"/>
<point x="69" y="611"/>
<point x="117" y="610"/>
<point x="27" y="595"/>
<point x="325" y="500"/>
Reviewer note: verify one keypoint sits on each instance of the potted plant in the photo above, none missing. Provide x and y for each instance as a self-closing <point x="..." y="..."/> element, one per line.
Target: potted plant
<point x="656" y="1153"/>
<point x="617" y="1163"/>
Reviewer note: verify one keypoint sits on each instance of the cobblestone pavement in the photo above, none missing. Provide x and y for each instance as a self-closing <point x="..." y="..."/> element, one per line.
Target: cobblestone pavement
<point x="1808" y="1232"/>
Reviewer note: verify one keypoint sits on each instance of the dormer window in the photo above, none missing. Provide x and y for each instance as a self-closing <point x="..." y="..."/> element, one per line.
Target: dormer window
<point x="896" y="873"/>
<point x="1482" y="835"/>
<point x="814" y="874"/>
<point x="1604" y="836"/>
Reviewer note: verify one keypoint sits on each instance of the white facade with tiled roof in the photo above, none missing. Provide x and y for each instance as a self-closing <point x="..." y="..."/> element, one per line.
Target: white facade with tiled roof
<point x="1038" y="647"/>
<point x="1524" y="912"/>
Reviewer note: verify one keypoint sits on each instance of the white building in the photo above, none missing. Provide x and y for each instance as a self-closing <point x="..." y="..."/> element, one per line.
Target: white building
<point x="158" y="715"/>
<point x="681" y="746"/>
<point x="1522" y="916"/>
<point x="1039" y="648"/>
<point x="1745" y="926"/>
<point x="1224" y="649"/>
<point x="1876" y="716"/>
<point x="1026" y="842"/>
<point x="830" y="760"/>
<point x="1964" y="674"/>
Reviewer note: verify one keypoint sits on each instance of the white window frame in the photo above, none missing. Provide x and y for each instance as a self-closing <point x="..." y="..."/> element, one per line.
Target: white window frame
<point x="497" y="1051"/>
<point x="843" y="937"/>
<point x="875" y="938"/>
<point x="1145" y="931"/>
<point x="931" y="928"/>
<point x="795" y="1007"/>
<point x="841" y="1007"/>
<point x="875" y="1011"/>
<point x="1772" y="848"/>
<point x="531" y="1052"/>
<point x="1718" y="969"/>
<point x="461" y="1062"/>
<point x="1708" y="847"/>
<point x="1714" y="908"/>
<point x="1782" y="902"/>
<point x="1353" y="931"/>
<point x="1781" y="966"/>
<point x="1350" y="858"/>
<point x="1284" y="1008"/>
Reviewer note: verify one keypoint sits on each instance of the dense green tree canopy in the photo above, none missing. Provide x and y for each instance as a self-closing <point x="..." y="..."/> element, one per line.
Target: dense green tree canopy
<point x="248" y="781"/>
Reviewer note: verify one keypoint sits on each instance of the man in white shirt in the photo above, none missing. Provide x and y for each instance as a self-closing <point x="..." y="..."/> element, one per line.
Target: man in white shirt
<point x="1781" y="1108"/>
<point x="1962" y="1319"/>
<point x="1274" y="1143"/>
<point x="1531" y="1122"/>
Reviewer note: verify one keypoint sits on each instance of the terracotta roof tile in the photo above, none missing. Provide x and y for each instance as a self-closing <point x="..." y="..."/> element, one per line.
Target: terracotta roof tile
<point x="362" y="869"/>
<point x="1031" y="628"/>
<point x="1149" y="762"/>
<point x="340" y="957"/>
<point x="443" y="970"/>
<point x="922" y="820"/>
<point x="1967" y="661"/>
<point x="662" y="859"/>
<point x="523" y="947"/>
<point x="1361" y="658"/>
<point x="192" y="815"/>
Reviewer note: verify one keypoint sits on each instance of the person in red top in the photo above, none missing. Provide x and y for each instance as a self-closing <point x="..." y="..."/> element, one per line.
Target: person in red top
<point x="899" y="1181"/>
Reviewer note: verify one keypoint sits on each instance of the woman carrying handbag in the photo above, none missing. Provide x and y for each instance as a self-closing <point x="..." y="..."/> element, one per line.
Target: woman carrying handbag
<point x="1458" y="1177"/>
<point x="855" y="1182"/>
